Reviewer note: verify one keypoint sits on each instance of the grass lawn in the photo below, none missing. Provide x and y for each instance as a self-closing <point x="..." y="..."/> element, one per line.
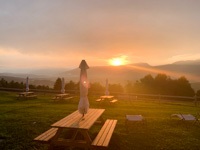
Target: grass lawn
<point x="23" y="120"/>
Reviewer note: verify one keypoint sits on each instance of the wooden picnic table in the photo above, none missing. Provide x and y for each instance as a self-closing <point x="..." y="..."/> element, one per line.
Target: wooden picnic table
<point x="76" y="122"/>
<point x="79" y="125"/>
<point x="26" y="95"/>
<point x="62" y="96"/>
<point x="107" y="98"/>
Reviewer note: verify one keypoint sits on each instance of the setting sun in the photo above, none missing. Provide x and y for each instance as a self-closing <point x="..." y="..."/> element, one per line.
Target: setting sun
<point x="116" y="62"/>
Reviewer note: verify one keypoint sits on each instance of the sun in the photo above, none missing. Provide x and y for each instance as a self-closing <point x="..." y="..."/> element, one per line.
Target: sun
<point x="116" y="62"/>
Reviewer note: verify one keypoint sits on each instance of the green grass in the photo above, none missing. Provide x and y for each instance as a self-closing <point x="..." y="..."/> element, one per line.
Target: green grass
<point x="23" y="120"/>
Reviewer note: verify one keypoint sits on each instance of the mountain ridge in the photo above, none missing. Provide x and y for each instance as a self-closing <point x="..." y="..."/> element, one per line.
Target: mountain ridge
<point x="120" y="74"/>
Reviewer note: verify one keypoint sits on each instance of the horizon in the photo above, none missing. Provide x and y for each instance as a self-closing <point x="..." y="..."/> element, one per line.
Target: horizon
<point x="60" y="34"/>
<point x="29" y="70"/>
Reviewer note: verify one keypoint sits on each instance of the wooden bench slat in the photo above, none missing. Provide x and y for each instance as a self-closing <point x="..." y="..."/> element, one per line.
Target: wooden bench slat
<point x="96" y="140"/>
<point x="72" y="122"/>
<point x="73" y="119"/>
<point x="100" y="133"/>
<point x="93" y="119"/>
<point x="68" y="119"/>
<point x="46" y="136"/>
<point x="68" y="98"/>
<point x="88" y="118"/>
<point x="98" y="100"/>
<point x="105" y="134"/>
<point x="107" y="140"/>
<point x="113" y="101"/>
<point x="103" y="137"/>
<point x="64" y="119"/>
<point x="49" y="135"/>
<point x="43" y="134"/>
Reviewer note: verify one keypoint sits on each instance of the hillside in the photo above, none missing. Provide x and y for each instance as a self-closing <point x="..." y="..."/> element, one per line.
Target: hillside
<point x="115" y="74"/>
<point x="134" y="72"/>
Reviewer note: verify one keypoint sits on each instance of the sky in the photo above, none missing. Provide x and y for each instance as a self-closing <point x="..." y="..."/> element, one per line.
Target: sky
<point x="59" y="34"/>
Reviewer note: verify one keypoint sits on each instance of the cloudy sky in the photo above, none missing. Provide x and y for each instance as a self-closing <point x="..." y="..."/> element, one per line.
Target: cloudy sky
<point x="60" y="33"/>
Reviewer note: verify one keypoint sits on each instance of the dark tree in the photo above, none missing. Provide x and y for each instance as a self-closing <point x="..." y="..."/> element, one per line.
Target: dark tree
<point x="161" y="84"/>
<point x="198" y="93"/>
<point x="4" y="83"/>
<point x="115" y="88"/>
<point x="184" y="87"/>
<point x="71" y="85"/>
<point x="58" y="84"/>
<point x="96" y="87"/>
<point x="129" y="87"/>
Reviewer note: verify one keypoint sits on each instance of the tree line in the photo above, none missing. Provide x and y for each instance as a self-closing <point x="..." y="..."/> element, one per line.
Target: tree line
<point x="160" y="84"/>
<point x="94" y="87"/>
<point x="21" y="85"/>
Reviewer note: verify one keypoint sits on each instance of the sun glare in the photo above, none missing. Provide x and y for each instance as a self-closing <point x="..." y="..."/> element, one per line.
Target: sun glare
<point x="117" y="62"/>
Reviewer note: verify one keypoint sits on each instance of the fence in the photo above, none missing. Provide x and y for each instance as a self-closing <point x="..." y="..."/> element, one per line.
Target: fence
<point x="129" y="96"/>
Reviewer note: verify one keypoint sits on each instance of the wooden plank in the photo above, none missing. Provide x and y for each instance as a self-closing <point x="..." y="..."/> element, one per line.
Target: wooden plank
<point x="94" y="119"/>
<point x="98" y="137"/>
<point x="106" y="97"/>
<point x="47" y="135"/>
<point x="71" y="119"/>
<point x="74" y="122"/>
<point x="89" y="119"/>
<point x="68" y="98"/>
<point x="105" y="134"/>
<point x="113" y="101"/>
<point x="101" y="141"/>
<point x="65" y="118"/>
<point x="86" y="118"/>
<point x="63" y="122"/>
<point x="109" y="135"/>
<point x="98" y="100"/>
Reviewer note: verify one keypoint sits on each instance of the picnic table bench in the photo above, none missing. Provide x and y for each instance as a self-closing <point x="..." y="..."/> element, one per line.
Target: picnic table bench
<point x="107" y="98"/>
<point x="62" y="97"/>
<point x="105" y="134"/>
<point x="79" y="125"/>
<point x="26" y="95"/>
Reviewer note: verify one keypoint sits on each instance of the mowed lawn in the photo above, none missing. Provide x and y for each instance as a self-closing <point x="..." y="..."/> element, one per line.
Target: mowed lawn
<point x="23" y="120"/>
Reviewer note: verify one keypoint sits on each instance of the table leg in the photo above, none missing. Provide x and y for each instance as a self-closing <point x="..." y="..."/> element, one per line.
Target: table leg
<point x="86" y="137"/>
<point x="100" y="121"/>
<point x="55" y="138"/>
<point x="75" y="134"/>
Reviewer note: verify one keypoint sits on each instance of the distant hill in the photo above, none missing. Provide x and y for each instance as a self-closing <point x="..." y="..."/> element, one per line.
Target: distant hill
<point x="187" y="62"/>
<point x="133" y="72"/>
<point x="115" y="74"/>
<point x="50" y="72"/>
<point x="21" y="75"/>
